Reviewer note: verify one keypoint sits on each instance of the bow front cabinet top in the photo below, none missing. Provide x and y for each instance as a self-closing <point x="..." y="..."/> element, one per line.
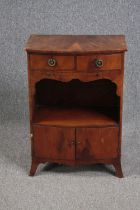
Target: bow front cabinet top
<point x="76" y="99"/>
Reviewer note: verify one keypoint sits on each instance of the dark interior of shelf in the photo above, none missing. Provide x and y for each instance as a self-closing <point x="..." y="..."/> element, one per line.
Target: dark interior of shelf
<point x="76" y="93"/>
<point x="76" y="103"/>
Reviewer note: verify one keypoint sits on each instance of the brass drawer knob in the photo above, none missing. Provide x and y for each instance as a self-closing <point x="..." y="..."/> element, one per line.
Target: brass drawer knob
<point x="51" y="62"/>
<point x="99" y="63"/>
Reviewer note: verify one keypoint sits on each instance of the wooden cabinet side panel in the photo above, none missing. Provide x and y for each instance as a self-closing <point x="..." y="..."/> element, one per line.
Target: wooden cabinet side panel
<point x="121" y="100"/>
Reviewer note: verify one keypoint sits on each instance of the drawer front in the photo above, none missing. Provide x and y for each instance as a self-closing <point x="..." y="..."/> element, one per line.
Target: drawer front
<point x="51" y="62"/>
<point x="97" y="143"/>
<point x="98" y="62"/>
<point x="54" y="142"/>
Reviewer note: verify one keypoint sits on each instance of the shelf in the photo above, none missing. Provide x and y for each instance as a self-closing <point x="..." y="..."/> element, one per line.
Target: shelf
<point x="75" y="117"/>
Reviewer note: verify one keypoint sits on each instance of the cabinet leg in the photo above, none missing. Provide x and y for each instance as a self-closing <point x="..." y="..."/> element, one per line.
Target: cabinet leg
<point x="34" y="166"/>
<point x="118" y="168"/>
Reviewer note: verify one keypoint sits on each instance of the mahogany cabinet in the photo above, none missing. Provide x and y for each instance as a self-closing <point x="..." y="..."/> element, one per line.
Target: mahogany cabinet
<point x="75" y="99"/>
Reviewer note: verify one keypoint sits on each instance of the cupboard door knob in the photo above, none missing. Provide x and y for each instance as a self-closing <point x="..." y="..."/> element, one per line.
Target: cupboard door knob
<point x="73" y="142"/>
<point x="99" y="63"/>
<point x="51" y="62"/>
<point x="78" y="142"/>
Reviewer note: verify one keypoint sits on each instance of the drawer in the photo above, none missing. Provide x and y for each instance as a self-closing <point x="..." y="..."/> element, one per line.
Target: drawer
<point x="51" y="62"/>
<point x="99" y="62"/>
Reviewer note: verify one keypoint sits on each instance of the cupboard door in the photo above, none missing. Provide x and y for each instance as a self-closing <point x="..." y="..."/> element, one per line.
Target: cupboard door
<point x="54" y="142"/>
<point x="97" y="143"/>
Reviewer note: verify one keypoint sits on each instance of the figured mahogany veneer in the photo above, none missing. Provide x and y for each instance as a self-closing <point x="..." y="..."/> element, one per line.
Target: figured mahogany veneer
<point x="38" y="62"/>
<point x="76" y="44"/>
<point x="88" y="62"/>
<point x="58" y="146"/>
<point x="94" y="143"/>
<point x="75" y="143"/>
<point x="75" y="99"/>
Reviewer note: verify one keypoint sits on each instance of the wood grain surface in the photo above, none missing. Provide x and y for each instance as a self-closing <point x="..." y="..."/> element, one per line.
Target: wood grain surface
<point x="76" y="43"/>
<point x="76" y="106"/>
